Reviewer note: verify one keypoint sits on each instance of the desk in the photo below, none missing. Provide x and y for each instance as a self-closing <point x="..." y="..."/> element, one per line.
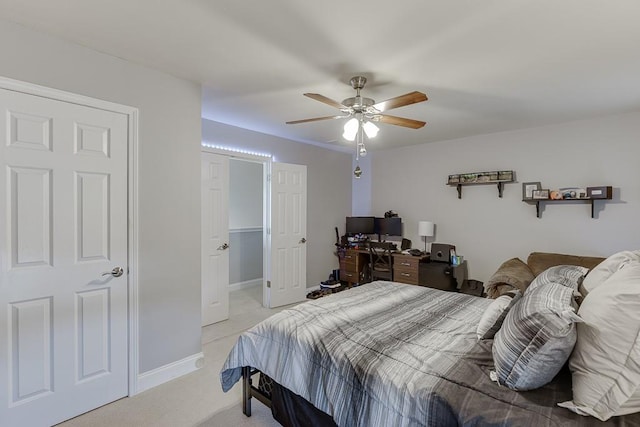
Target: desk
<point x="413" y="270"/>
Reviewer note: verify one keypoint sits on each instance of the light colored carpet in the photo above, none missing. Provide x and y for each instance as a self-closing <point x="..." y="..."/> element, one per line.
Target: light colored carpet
<point x="260" y="417"/>
<point x="198" y="396"/>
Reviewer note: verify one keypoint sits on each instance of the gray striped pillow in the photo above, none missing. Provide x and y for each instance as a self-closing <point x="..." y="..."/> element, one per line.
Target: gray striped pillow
<point x="567" y="275"/>
<point x="536" y="338"/>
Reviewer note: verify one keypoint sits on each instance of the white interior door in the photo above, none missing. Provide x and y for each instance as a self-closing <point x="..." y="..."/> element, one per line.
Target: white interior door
<point x="288" y="275"/>
<point x="63" y="222"/>
<point x="215" y="238"/>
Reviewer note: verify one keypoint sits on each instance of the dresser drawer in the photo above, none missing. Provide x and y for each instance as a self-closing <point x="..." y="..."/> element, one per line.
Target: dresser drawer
<point x="351" y="261"/>
<point x="347" y="264"/>
<point x="350" y="257"/>
<point x="407" y="263"/>
<point x="349" y="276"/>
<point x="406" y="275"/>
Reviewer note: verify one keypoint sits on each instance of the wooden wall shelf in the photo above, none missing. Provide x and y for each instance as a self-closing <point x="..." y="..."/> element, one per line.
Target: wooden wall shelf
<point x="499" y="183"/>
<point x="552" y="201"/>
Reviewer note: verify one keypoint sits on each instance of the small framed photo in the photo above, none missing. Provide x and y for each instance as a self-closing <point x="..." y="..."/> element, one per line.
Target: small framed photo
<point x="540" y="194"/>
<point x="528" y="189"/>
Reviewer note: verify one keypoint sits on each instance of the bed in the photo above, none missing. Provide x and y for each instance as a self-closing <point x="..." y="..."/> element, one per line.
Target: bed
<point x="390" y="354"/>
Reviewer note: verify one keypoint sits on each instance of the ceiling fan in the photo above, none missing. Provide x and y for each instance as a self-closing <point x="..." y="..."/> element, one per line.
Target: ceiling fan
<point x="366" y="109"/>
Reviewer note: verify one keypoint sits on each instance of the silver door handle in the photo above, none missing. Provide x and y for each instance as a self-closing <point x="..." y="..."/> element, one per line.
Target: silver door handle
<point x="223" y="247"/>
<point x="303" y="240"/>
<point x="116" y="272"/>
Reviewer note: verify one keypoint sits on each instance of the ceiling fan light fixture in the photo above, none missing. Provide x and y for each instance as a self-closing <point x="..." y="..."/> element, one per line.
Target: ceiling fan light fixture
<point x="351" y="129"/>
<point x="370" y="129"/>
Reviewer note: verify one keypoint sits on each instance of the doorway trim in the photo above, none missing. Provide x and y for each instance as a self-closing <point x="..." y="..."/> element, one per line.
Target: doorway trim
<point x="132" y="201"/>
<point x="266" y="159"/>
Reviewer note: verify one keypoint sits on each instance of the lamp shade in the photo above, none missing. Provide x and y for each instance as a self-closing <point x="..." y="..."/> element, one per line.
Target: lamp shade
<point x="351" y="129"/>
<point x="425" y="228"/>
<point x="370" y="129"/>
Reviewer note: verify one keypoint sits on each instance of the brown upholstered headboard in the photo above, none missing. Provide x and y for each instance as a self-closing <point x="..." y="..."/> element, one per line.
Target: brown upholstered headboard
<point x="540" y="261"/>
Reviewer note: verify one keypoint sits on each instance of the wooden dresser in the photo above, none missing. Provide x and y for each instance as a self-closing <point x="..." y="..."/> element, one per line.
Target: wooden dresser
<point x="352" y="265"/>
<point x="406" y="268"/>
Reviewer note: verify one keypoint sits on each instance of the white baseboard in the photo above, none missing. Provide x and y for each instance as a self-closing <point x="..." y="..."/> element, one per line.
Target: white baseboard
<point x="244" y="285"/>
<point x="168" y="372"/>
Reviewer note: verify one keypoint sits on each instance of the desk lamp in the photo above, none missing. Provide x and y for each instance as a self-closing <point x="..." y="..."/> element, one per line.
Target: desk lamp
<point x="425" y="229"/>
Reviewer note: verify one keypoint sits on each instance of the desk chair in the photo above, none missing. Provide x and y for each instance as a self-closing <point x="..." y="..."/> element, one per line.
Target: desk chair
<point x="380" y="260"/>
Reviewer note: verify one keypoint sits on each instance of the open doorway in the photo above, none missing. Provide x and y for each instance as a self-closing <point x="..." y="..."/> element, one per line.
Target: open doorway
<point x="237" y="219"/>
<point x="233" y="274"/>
<point x="246" y="235"/>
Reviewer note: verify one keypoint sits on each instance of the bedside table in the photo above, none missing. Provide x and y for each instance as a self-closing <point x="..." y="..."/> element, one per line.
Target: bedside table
<point x="442" y="275"/>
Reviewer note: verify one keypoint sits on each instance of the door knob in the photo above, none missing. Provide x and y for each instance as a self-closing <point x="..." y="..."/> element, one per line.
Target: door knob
<point x="116" y="272"/>
<point x="303" y="240"/>
<point x="223" y="247"/>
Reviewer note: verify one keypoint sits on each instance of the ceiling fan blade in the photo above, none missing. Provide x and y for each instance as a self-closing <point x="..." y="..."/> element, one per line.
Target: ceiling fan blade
<point x="315" y="119"/>
<point x="400" y="101"/>
<point x="325" y="100"/>
<point x="401" y="121"/>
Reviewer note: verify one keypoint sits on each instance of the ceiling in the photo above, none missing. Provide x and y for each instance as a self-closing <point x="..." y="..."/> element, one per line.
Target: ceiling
<point x="486" y="66"/>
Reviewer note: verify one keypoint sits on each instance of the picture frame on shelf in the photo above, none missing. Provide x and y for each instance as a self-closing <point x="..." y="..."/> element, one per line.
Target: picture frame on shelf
<point x="528" y="189"/>
<point x="540" y="194"/>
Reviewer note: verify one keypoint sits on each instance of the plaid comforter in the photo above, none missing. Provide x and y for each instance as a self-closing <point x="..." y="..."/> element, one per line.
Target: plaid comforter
<point x="389" y="354"/>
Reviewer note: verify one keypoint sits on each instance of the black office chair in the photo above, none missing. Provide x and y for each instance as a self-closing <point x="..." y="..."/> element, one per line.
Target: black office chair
<point x="380" y="266"/>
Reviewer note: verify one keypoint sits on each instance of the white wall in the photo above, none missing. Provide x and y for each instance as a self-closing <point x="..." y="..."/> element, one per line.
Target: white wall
<point x="328" y="188"/>
<point x="361" y="201"/>
<point x="245" y="194"/>
<point x="488" y="230"/>
<point x="169" y="181"/>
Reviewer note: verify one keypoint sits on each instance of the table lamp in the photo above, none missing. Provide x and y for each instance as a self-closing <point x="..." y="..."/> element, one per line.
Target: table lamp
<point x="425" y="229"/>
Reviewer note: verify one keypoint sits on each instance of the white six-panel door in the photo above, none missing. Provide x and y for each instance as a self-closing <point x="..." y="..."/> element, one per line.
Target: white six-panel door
<point x="63" y="223"/>
<point x="288" y="234"/>
<point x="215" y="238"/>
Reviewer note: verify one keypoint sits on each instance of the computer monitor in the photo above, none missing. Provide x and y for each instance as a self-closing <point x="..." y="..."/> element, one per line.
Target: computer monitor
<point x="388" y="227"/>
<point x="360" y="225"/>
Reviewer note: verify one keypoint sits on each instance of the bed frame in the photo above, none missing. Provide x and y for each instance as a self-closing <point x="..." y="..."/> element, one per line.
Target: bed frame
<point x="287" y="408"/>
<point x="249" y="390"/>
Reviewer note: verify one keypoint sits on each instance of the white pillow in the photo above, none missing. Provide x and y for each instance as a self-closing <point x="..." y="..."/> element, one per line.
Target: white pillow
<point x="605" y="364"/>
<point x="606" y="268"/>
<point x="494" y="315"/>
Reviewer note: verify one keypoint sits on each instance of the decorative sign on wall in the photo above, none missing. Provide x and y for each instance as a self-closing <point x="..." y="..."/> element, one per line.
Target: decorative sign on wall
<point x="481" y="177"/>
<point x="489" y="177"/>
